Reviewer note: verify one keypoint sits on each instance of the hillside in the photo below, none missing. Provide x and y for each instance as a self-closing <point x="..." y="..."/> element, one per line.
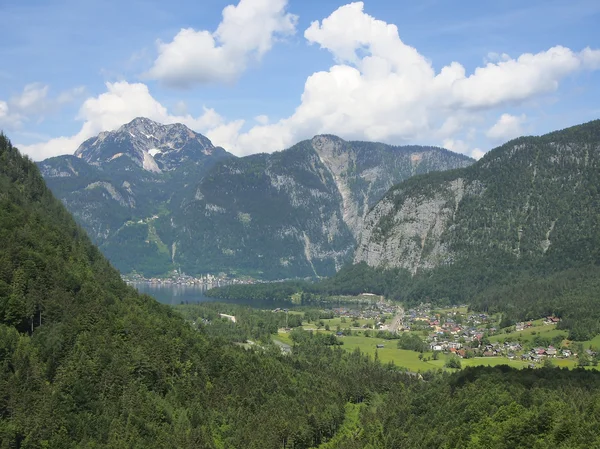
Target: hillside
<point x="533" y="199"/>
<point x="85" y="361"/>
<point x="153" y="198"/>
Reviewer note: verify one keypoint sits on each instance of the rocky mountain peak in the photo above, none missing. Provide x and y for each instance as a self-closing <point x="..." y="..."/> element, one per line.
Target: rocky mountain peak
<point x="153" y="146"/>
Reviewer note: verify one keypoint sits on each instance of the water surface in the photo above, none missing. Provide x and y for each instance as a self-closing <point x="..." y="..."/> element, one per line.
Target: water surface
<point x="175" y="294"/>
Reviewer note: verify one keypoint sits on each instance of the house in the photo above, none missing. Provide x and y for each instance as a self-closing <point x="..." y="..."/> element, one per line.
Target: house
<point x="566" y="353"/>
<point x="436" y="347"/>
<point x="551" y="351"/>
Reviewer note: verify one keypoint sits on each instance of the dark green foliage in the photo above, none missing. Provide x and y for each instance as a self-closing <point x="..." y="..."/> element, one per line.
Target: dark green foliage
<point x="87" y="362"/>
<point x="251" y="324"/>
<point x="495" y="408"/>
<point x="412" y="342"/>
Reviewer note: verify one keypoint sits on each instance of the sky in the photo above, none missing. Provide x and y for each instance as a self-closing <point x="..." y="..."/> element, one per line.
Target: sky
<point x="261" y="75"/>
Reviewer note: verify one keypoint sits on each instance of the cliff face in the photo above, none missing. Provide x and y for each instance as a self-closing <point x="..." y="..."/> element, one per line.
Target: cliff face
<point x="533" y="197"/>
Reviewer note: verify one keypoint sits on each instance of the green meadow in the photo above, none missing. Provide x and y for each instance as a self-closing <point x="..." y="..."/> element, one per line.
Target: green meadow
<point x="410" y="359"/>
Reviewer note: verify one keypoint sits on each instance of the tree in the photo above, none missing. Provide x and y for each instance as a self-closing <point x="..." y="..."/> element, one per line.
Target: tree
<point x="548" y="363"/>
<point x="453" y="362"/>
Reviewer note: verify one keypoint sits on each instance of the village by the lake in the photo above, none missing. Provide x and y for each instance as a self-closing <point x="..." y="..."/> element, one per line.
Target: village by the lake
<point x="424" y="337"/>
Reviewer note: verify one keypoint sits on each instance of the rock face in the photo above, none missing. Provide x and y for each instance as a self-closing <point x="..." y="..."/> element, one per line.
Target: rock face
<point x="530" y="198"/>
<point x="298" y="212"/>
<point x="150" y="145"/>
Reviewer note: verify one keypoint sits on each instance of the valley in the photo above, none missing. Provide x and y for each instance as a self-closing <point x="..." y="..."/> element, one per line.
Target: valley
<point x="277" y="224"/>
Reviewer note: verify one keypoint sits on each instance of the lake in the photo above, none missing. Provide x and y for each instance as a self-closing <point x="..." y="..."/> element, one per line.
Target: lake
<point x="175" y="294"/>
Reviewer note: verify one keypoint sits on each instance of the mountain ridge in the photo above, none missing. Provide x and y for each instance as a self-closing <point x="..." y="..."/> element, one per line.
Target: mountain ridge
<point x="422" y="223"/>
<point x="196" y="216"/>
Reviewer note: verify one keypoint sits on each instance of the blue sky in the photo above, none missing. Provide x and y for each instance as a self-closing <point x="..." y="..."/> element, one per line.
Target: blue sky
<point x="257" y="80"/>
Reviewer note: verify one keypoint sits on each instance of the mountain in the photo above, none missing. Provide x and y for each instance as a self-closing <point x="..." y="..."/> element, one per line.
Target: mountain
<point x="86" y="361"/>
<point x="534" y="200"/>
<point x="150" y="145"/>
<point x="157" y="197"/>
<point x="118" y="183"/>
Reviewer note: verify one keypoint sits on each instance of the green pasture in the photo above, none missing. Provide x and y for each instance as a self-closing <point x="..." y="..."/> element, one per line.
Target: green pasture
<point x="527" y="335"/>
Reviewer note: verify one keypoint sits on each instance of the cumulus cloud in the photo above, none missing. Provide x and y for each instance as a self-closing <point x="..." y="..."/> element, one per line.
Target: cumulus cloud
<point x="507" y="127"/>
<point x="8" y="118"/>
<point x="378" y="89"/>
<point x="262" y="119"/>
<point x="246" y="33"/>
<point x="384" y="89"/>
<point x="34" y="100"/>
<point x="120" y="104"/>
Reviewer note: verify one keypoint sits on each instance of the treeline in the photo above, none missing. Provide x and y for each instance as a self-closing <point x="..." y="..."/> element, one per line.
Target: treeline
<point x="495" y="408"/>
<point x="250" y="323"/>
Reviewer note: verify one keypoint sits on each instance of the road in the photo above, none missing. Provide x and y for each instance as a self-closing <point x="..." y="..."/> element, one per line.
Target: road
<point x="285" y="348"/>
<point x="397" y="320"/>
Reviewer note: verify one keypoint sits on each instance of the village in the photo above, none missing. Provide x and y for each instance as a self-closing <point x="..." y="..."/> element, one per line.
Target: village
<point x="468" y="335"/>
<point x="457" y="332"/>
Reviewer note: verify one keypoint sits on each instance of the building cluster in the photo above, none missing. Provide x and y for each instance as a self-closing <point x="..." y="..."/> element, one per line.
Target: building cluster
<point x="178" y="278"/>
<point x="375" y="312"/>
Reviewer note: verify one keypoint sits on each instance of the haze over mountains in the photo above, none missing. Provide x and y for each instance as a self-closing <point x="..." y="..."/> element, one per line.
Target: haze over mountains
<point x="157" y="197"/>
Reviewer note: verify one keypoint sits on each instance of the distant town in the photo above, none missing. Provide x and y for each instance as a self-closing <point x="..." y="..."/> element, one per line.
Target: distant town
<point x="177" y="277"/>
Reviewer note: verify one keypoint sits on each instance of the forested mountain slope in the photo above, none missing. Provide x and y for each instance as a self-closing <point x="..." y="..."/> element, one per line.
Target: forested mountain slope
<point x="86" y="362"/>
<point x="157" y="197"/>
<point x="533" y="198"/>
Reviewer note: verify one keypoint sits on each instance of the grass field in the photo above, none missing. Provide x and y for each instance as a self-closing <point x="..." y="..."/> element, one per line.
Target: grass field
<point x="334" y="322"/>
<point x="527" y="335"/>
<point x="410" y="359"/>
<point x="593" y="343"/>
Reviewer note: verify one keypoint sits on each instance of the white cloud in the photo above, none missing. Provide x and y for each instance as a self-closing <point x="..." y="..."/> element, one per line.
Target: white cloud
<point x="262" y="119"/>
<point x="383" y="89"/>
<point x="34" y="101"/>
<point x="120" y="104"/>
<point x="507" y="127"/>
<point x="379" y="88"/>
<point x="477" y="153"/>
<point x="8" y="118"/>
<point x="246" y="33"/>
